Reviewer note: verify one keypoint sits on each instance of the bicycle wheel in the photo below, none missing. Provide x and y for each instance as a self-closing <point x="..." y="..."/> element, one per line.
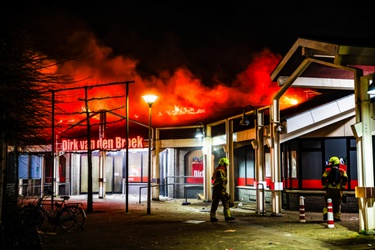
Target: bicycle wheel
<point x="32" y="216"/>
<point x="66" y="218"/>
<point x="80" y="217"/>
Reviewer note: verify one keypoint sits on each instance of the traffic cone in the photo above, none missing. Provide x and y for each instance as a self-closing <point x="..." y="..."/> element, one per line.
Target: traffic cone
<point x="302" y="209"/>
<point x="330" y="220"/>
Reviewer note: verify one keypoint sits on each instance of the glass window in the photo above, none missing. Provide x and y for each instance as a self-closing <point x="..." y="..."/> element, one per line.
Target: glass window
<point x="118" y="176"/>
<point x="194" y="170"/>
<point x="136" y="160"/>
<point x="245" y="166"/>
<point x="84" y="174"/>
<point x="312" y="165"/>
<point x="335" y="147"/>
<point x="36" y="166"/>
<point x="293" y="164"/>
<point x="250" y="169"/>
<point x="23" y="167"/>
<point x="353" y="166"/>
<point x="108" y="173"/>
<point x="267" y="162"/>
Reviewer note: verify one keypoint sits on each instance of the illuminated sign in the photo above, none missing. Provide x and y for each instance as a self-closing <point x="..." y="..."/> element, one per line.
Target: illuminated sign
<point x="105" y="144"/>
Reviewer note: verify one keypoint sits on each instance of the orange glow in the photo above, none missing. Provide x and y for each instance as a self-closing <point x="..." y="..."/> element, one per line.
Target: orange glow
<point x="182" y="98"/>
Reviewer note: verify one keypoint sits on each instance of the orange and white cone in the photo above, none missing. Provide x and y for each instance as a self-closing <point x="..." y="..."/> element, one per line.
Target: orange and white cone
<point x="302" y="209"/>
<point x="330" y="220"/>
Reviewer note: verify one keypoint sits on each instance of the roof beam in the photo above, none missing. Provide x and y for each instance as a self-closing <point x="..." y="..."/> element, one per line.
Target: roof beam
<point x="319" y="83"/>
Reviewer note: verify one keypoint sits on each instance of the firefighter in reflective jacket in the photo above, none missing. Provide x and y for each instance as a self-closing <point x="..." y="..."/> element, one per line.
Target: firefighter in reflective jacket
<point x="219" y="179"/>
<point x="334" y="180"/>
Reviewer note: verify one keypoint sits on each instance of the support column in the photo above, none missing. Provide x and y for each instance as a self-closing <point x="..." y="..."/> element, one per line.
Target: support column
<point x="155" y="171"/>
<point x="56" y="173"/>
<point x="102" y="179"/>
<point x="363" y="131"/>
<point x="208" y="168"/>
<point x="230" y="156"/>
<point x="102" y="156"/>
<point x="259" y="156"/>
<point x="156" y="191"/>
<point x="276" y="185"/>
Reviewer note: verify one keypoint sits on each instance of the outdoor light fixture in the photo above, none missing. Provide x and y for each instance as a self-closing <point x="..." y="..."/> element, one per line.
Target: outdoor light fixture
<point x="371" y="87"/>
<point x="149" y="99"/>
<point x="199" y="133"/>
<point x="244" y="121"/>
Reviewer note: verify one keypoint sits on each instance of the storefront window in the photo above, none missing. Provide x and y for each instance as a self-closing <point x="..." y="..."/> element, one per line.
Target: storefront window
<point x="195" y="171"/>
<point x="35" y="168"/>
<point x="246" y="166"/>
<point x="293" y="164"/>
<point x="30" y="167"/>
<point x="23" y="167"/>
<point x="135" y="167"/>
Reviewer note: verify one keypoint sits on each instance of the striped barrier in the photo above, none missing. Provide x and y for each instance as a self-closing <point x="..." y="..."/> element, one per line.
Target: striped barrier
<point x="302" y="209"/>
<point x="330" y="220"/>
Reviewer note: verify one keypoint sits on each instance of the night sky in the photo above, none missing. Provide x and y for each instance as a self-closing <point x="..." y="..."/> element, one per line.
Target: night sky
<point x="215" y="40"/>
<point x="201" y="57"/>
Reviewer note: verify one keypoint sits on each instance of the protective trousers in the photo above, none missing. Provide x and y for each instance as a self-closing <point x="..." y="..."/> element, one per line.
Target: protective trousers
<point x="336" y="196"/>
<point x="216" y="198"/>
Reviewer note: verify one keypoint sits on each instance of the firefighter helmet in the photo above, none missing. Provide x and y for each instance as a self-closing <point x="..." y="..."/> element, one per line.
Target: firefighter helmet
<point x="334" y="160"/>
<point x="223" y="161"/>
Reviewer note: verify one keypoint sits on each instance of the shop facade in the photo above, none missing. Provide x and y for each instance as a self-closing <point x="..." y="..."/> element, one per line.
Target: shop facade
<point x="276" y="159"/>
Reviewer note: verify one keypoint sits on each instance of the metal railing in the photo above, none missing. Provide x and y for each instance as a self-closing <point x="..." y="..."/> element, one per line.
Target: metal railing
<point x="186" y="186"/>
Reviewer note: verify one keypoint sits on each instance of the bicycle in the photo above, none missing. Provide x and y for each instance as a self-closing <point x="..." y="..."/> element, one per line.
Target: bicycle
<point x="16" y="232"/>
<point x="69" y="216"/>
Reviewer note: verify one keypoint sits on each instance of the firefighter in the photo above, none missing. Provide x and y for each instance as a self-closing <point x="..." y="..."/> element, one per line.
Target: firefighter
<point x="334" y="180"/>
<point x="219" y="179"/>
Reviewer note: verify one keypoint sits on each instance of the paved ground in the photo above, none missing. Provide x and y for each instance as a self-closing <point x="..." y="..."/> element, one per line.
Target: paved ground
<point x="172" y="225"/>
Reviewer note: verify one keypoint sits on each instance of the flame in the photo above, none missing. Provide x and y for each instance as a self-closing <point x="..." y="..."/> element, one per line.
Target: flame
<point x="184" y="111"/>
<point x="287" y="101"/>
<point x="183" y="98"/>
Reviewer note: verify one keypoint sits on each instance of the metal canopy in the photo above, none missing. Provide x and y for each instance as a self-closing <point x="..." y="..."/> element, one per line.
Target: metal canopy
<point x="335" y="61"/>
<point x="358" y="55"/>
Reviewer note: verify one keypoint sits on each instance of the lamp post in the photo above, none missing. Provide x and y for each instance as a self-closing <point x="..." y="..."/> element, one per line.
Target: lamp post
<point x="149" y="99"/>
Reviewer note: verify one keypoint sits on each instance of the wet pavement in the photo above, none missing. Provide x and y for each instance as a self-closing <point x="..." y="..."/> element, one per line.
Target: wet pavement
<point x="175" y="224"/>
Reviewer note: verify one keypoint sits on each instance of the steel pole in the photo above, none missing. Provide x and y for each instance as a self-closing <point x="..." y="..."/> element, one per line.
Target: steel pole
<point x="149" y="162"/>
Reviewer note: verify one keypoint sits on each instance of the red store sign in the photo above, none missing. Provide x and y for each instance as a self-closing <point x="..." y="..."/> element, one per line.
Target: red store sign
<point x="105" y="144"/>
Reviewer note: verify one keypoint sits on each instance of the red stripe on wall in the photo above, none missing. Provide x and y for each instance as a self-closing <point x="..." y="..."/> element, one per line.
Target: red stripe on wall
<point x="245" y="181"/>
<point x="353" y="184"/>
<point x="314" y="184"/>
<point x="292" y="183"/>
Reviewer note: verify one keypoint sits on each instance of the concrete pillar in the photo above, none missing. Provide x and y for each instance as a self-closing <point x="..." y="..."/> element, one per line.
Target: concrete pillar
<point x="156" y="163"/>
<point x="155" y="173"/>
<point x="363" y="132"/>
<point x="276" y="185"/>
<point x="208" y="167"/>
<point x="230" y="153"/>
<point x="56" y="176"/>
<point x="102" y="171"/>
<point x="102" y="156"/>
<point x="259" y="162"/>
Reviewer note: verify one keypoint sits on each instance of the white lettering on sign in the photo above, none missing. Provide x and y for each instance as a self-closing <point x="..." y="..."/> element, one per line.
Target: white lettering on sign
<point x="198" y="173"/>
<point x="102" y="143"/>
